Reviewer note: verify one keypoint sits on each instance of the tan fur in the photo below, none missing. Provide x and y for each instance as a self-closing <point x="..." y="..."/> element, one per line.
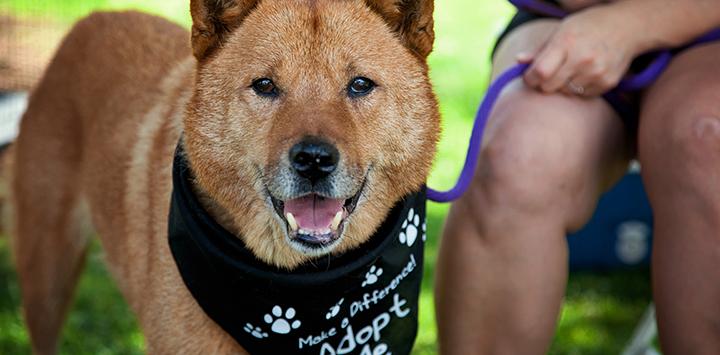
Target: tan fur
<point x="102" y="126"/>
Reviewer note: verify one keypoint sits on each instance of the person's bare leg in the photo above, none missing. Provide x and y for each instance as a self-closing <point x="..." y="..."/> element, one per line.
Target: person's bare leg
<point x="680" y="152"/>
<point x="502" y="266"/>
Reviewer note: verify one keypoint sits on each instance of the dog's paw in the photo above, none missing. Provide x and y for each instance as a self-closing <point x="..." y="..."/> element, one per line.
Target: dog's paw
<point x="334" y="310"/>
<point x="255" y="331"/>
<point x="410" y="226"/>
<point x="372" y="276"/>
<point x="280" y="324"/>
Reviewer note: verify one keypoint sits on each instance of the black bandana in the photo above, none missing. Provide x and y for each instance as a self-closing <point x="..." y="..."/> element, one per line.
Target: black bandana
<point x="361" y="302"/>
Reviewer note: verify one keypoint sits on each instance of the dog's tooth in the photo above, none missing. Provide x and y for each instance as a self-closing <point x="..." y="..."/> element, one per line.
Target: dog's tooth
<point x="291" y="221"/>
<point x="336" y="221"/>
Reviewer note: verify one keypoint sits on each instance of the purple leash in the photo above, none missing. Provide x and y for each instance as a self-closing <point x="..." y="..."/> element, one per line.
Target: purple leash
<point x="629" y="83"/>
<point x="481" y="117"/>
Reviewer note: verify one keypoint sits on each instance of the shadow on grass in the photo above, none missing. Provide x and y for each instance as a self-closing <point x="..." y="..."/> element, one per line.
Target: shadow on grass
<point x="601" y="311"/>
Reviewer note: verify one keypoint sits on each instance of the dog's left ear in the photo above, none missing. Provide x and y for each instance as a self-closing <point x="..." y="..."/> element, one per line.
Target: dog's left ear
<point x="411" y="19"/>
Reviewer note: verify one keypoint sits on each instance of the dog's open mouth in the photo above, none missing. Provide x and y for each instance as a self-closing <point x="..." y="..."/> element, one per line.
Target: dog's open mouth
<point x="315" y="221"/>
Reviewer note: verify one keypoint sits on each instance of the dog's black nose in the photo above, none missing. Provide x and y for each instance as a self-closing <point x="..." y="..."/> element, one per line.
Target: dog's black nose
<point x="314" y="158"/>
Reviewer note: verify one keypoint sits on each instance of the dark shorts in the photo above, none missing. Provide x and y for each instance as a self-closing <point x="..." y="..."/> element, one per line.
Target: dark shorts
<point x="627" y="105"/>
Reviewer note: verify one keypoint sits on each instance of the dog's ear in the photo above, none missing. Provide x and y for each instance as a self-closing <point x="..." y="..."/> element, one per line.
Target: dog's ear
<point x="213" y="20"/>
<point x="411" y="19"/>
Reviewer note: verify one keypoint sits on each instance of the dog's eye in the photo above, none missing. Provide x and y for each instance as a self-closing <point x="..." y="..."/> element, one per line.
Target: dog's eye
<point x="360" y="86"/>
<point x="265" y="87"/>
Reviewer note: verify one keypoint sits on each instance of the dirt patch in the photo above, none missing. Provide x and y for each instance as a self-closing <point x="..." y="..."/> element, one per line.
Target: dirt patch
<point x="26" y="47"/>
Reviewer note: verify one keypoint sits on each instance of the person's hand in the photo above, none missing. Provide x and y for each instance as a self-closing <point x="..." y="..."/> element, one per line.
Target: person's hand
<point x="587" y="55"/>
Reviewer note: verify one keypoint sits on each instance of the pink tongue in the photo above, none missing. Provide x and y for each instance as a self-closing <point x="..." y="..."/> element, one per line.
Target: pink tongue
<point x="313" y="212"/>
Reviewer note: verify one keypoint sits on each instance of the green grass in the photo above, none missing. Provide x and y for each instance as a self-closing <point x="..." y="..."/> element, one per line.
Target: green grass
<point x="600" y="309"/>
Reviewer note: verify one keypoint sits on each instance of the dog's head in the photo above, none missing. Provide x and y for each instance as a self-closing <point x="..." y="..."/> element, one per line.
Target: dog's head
<point x="309" y="118"/>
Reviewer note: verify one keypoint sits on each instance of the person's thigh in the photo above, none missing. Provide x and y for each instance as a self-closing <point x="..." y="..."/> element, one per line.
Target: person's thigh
<point x="503" y="258"/>
<point x="679" y="148"/>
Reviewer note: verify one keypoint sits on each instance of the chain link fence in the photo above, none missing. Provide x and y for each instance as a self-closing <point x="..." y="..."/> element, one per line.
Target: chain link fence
<point x="29" y="35"/>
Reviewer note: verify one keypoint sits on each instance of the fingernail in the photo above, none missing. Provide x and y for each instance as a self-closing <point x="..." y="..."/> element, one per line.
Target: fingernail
<point x="523" y="57"/>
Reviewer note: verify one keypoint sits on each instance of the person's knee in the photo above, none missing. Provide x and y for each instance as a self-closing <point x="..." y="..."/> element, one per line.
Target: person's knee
<point x="522" y="173"/>
<point x="526" y="165"/>
<point x="680" y="122"/>
<point x="684" y="143"/>
<point x="699" y="142"/>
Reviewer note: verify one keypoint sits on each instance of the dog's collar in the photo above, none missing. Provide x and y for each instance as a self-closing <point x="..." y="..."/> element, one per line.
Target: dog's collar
<point x="364" y="301"/>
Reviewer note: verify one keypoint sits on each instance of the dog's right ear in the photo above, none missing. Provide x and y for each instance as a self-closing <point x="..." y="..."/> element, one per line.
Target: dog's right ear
<point x="215" y="19"/>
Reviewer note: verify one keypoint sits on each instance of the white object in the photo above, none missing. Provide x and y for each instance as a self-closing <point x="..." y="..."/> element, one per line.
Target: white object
<point x="12" y="107"/>
<point x="633" y="242"/>
<point x="645" y="332"/>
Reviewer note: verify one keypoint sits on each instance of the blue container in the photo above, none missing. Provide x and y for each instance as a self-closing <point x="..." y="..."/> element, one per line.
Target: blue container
<point x="619" y="233"/>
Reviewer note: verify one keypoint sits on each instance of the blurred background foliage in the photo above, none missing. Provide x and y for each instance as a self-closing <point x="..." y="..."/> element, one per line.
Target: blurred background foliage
<point x="600" y="310"/>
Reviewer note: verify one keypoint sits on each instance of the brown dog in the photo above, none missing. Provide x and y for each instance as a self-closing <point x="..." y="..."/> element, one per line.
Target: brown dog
<point x="303" y="122"/>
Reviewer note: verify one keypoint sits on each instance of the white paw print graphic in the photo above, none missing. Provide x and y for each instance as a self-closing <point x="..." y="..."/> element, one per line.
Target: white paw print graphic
<point x="334" y="310"/>
<point x="255" y="331"/>
<point x="411" y="225"/>
<point x="279" y="324"/>
<point x="372" y="276"/>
